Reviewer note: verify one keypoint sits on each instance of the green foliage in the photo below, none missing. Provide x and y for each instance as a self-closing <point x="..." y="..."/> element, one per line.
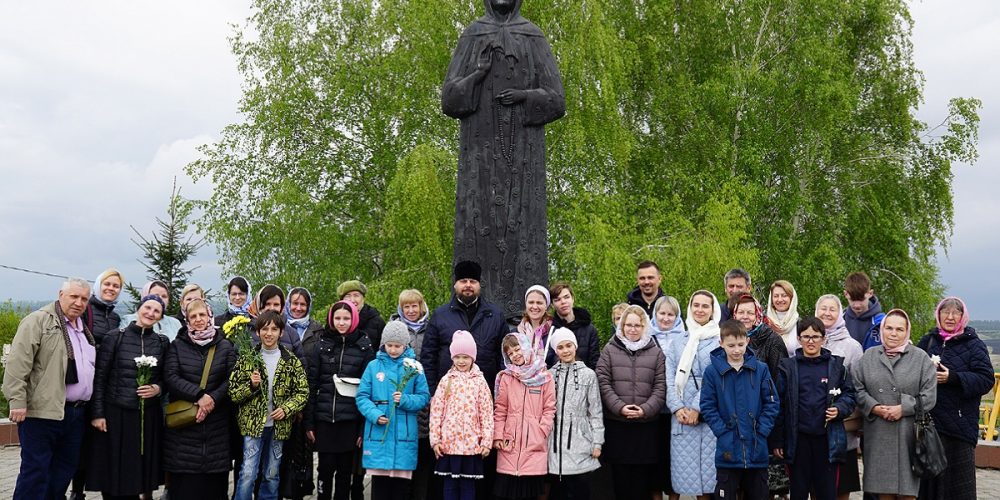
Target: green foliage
<point x="167" y="251"/>
<point x="777" y="136"/>
<point x="10" y="318"/>
<point x="419" y="218"/>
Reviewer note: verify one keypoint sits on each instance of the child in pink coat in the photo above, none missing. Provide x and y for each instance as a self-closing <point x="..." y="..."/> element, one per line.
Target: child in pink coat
<point x="522" y="420"/>
<point x="461" y="422"/>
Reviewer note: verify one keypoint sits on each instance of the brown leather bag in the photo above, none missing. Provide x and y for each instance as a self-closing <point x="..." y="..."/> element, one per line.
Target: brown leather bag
<point x="181" y="414"/>
<point x="853" y="421"/>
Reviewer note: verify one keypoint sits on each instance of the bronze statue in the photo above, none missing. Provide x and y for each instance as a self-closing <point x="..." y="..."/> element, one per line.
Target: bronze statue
<point x="504" y="85"/>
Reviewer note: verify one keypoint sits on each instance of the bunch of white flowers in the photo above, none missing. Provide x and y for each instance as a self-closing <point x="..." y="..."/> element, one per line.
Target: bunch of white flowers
<point x="413" y="365"/>
<point x="149" y="361"/>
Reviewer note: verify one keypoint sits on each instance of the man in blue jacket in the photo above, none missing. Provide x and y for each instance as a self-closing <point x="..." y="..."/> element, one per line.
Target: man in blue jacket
<point x="466" y="311"/>
<point x="740" y="404"/>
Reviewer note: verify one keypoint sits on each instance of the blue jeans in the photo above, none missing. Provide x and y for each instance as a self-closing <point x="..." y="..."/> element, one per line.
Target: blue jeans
<point x="50" y="452"/>
<point x="253" y="448"/>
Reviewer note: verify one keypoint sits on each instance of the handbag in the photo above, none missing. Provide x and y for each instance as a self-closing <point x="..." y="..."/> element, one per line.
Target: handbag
<point x="853" y="421"/>
<point x="181" y="414"/>
<point x="927" y="458"/>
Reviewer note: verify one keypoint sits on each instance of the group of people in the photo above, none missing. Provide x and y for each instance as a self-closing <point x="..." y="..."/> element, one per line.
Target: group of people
<point x="730" y="398"/>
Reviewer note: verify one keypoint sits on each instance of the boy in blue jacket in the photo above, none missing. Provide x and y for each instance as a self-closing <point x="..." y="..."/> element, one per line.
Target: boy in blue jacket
<point x="817" y="394"/>
<point x="740" y="404"/>
<point x="393" y="390"/>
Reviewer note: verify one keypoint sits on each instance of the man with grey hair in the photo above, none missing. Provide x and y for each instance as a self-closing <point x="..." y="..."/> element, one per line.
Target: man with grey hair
<point x="737" y="282"/>
<point x="48" y="381"/>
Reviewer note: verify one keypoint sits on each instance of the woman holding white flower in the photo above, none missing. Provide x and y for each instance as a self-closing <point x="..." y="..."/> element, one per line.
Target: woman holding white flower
<point x="963" y="374"/>
<point x="393" y="390"/>
<point x="125" y="456"/>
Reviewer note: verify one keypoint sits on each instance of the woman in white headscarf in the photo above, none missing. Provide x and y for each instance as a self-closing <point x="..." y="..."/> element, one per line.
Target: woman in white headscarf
<point x="783" y="313"/>
<point x="692" y="444"/>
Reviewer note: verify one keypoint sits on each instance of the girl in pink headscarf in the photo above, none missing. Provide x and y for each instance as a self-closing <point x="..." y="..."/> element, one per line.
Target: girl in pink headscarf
<point x="332" y="418"/>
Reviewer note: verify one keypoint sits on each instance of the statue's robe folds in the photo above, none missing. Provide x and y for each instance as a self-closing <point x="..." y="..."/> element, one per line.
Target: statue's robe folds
<point x="500" y="215"/>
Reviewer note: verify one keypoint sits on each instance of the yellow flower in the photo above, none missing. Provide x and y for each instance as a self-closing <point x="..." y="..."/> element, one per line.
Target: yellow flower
<point x="234" y="324"/>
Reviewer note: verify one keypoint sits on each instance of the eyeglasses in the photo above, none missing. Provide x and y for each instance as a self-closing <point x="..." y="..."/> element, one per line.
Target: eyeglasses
<point x="632" y="326"/>
<point x="810" y="338"/>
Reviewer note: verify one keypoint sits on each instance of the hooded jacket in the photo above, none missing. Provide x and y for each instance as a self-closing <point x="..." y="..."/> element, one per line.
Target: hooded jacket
<point x="785" y="433"/>
<point x="462" y="413"/>
<point x="956" y="413"/>
<point x="392" y="446"/>
<point x="579" y="421"/>
<point x="859" y="326"/>
<point x="588" y="348"/>
<point x="741" y="408"/>
<point x="417" y="343"/>
<point x="523" y="416"/>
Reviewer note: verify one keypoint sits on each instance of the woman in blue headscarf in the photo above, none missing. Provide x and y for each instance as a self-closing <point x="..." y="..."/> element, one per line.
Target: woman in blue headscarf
<point x="238" y="300"/>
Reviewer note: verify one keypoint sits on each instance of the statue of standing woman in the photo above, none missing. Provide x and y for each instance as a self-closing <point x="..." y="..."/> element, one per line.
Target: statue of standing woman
<point x="504" y="85"/>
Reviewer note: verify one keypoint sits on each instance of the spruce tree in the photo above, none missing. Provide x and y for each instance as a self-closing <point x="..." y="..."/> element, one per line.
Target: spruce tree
<point x="166" y="251"/>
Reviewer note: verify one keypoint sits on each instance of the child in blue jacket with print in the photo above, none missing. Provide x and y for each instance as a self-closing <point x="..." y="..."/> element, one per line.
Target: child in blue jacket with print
<point x="393" y="390"/>
<point x="740" y="404"/>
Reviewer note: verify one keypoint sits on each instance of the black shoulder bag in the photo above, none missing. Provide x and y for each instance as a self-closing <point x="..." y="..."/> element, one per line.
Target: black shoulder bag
<point x="927" y="458"/>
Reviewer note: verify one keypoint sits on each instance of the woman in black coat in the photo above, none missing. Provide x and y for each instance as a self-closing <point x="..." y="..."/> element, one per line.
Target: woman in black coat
<point x="125" y="452"/>
<point x="964" y="374"/>
<point x="198" y="456"/>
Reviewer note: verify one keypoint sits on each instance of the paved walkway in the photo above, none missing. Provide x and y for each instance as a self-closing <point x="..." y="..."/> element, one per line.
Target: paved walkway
<point x="988" y="480"/>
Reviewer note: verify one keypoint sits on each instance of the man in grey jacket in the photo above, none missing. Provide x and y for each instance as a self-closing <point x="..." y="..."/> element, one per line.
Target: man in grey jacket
<point x="48" y="381"/>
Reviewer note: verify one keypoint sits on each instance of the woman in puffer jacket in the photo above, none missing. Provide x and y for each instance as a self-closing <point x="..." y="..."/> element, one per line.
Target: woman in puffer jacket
<point x="633" y="388"/>
<point x="198" y="456"/>
<point x="579" y="426"/>
<point x="522" y="420"/>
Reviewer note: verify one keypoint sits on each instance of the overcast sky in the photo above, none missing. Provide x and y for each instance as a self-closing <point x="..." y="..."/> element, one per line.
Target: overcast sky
<point x="103" y="103"/>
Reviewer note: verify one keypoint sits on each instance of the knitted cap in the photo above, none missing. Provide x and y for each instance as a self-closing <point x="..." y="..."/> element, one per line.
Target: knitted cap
<point x="561" y="335"/>
<point x="154" y="298"/>
<point x="463" y="343"/>
<point x="396" y="331"/>
<point x="351" y="286"/>
<point x="468" y="269"/>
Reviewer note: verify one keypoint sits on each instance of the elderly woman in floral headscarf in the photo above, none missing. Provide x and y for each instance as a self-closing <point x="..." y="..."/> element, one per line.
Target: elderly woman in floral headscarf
<point x="964" y="373"/>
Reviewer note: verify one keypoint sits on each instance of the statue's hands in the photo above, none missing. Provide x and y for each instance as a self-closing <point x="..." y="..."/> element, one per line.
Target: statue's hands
<point x="511" y="96"/>
<point x="485" y="60"/>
